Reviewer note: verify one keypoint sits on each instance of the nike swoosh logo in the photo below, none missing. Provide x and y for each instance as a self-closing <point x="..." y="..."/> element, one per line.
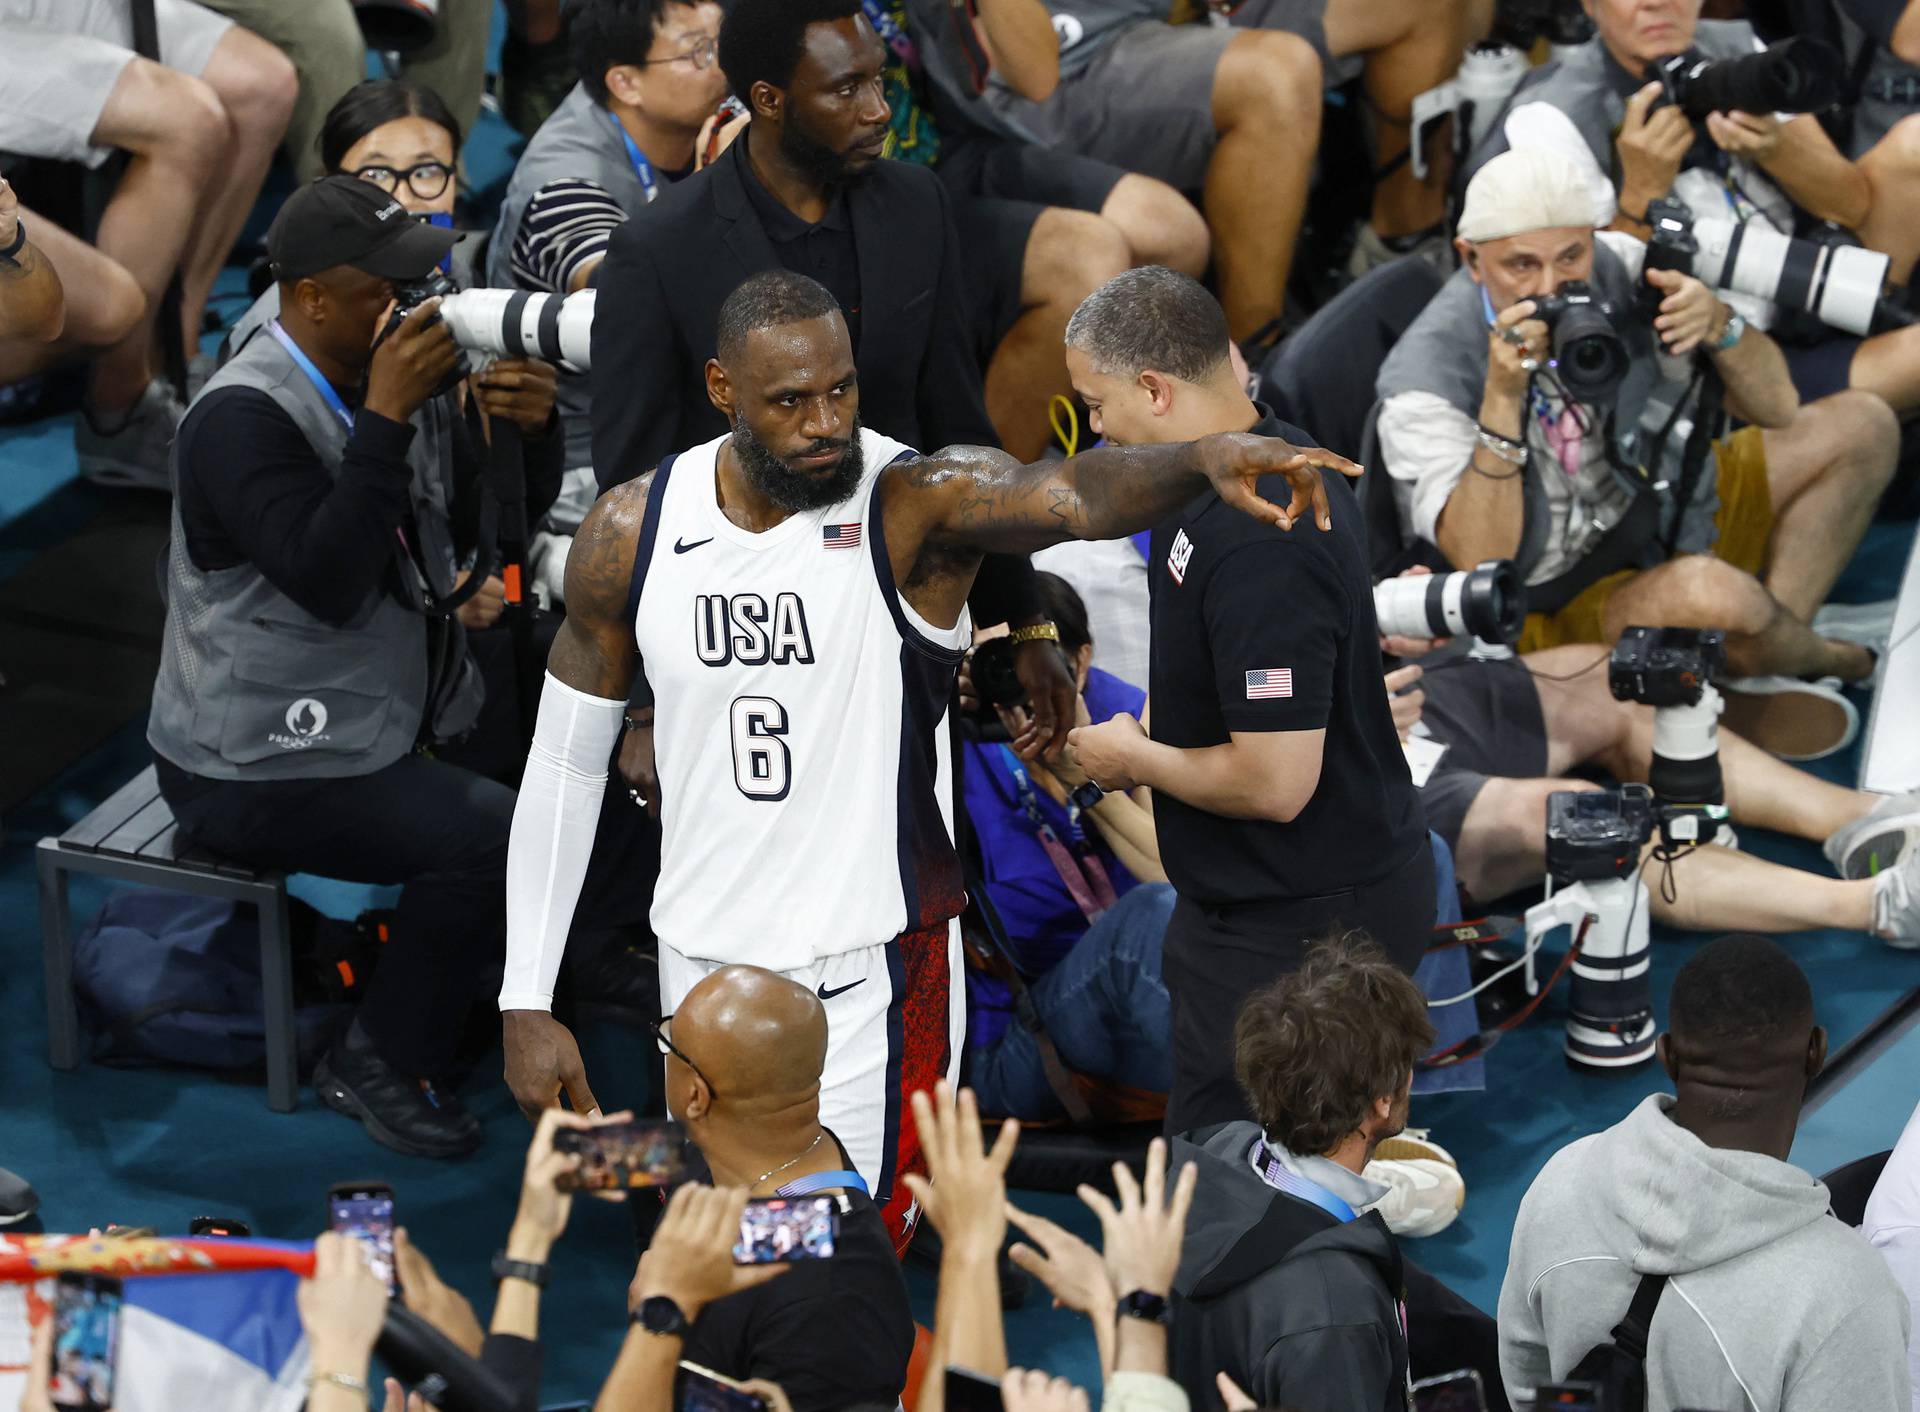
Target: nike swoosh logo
<point x="680" y="546"/>
<point x="826" y="994"/>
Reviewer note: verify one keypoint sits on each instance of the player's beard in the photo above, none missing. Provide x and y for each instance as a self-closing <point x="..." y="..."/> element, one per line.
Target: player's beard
<point x="798" y="491"/>
<point x="810" y="156"/>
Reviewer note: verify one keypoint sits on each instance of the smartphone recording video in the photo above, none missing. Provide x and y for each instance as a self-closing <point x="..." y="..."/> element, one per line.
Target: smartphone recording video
<point x="777" y="1230"/>
<point x="621" y="1156"/>
<point x="1458" y="1391"/>
<point x="703" y="1390"/>
<point x="86" y="1336"/>
<point x="364" y="1210"/>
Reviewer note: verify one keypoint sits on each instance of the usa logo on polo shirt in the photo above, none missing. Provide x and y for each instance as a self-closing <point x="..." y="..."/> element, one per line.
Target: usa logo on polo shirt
<point x="1179" y="557"/>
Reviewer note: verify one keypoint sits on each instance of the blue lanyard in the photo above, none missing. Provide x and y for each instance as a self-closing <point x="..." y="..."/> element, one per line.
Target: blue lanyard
<point x="320" y="384"/>
<point x="820" y="1181"/>
<point x="890" y="32"/>
<point x="1293" y="1184"/>
<point x="1030" y="802"/>
<point x="642" y="168"/>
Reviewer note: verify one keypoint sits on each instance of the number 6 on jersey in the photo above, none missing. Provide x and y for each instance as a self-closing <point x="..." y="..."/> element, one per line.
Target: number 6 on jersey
<point x="762" y="764"/>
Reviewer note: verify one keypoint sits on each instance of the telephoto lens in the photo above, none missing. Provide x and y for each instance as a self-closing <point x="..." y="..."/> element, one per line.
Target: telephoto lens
<point x="1798" y="75"/>
<point x="1588" y="352"/>
<point x="1487" y="601"/>
<point x="512" y="323"/>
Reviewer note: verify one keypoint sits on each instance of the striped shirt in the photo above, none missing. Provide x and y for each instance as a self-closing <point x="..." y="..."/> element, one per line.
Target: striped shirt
<point x="566" y="225"/>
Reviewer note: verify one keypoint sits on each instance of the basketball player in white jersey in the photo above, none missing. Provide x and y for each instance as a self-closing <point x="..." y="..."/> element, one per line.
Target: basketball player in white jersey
<point x="796" y="594"/>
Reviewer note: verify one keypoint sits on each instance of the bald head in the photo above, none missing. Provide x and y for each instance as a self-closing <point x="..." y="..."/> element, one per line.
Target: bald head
<point x="1742" y="1042"/>
<point x="760" y="1039"/>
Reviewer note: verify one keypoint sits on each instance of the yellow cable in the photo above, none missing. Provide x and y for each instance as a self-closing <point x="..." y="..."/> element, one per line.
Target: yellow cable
<point x="1066" y="422"/>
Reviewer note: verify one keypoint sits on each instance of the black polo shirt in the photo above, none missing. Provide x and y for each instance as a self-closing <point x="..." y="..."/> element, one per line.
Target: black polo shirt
<point x="1261" y="629"/>
<point x="822" y="250"/>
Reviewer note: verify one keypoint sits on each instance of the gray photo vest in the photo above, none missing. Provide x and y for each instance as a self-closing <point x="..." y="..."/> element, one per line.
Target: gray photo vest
<point x="253" y="687"/>
<point x="579" y="142"/>
<point x="1445" y="353"/>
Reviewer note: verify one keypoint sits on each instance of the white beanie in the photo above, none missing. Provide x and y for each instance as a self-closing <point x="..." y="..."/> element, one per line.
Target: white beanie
<point x="1523" y="189"/>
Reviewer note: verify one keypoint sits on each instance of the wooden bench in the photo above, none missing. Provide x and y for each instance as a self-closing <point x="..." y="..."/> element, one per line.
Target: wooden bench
<point x="132" y="837"/>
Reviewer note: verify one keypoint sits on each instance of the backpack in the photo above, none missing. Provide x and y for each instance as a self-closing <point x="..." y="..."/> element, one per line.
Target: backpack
<point x="165" y="977"/>
<point x="1618" y="1370"/>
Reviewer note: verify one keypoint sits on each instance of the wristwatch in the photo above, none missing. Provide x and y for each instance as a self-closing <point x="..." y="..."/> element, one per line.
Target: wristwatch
<point x="1142" y="1305"/>
<point x="1730" y="335"/>
<point x="505" y="1269"/>
<point x="20" y="243"/>
<point x="1036" y="632"/>
<point x="658" y="1314"/>
<point x="1086" y="796"/>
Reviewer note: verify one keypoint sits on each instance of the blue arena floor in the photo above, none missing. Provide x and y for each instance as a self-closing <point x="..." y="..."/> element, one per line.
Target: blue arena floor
<point x="159" y="1147"/>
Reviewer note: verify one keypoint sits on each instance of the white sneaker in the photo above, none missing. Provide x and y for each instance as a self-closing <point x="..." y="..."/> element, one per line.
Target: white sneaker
<point x="1896" y="904"/>
<point x="1868" y="625"/>
<point x="1426" y="1190"/>
<point x="133" y="454"/>
<point x="1790" y="718"/>
<point x="1878" y="839"/>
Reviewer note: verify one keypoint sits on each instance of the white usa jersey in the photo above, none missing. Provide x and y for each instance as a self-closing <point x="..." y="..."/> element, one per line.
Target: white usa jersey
<point x="800" y="732"/>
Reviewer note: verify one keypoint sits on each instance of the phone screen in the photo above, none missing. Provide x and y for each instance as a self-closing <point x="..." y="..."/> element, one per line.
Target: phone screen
<point x="1567" y="1397"/>
<point x="366" y="1214"/>
<point x="1459" y="1391"/>
<point x="778" y="1230"/>
<point x="972" y="1392"/>
<point x="620" y="1156"/>
<point x="86" y="1335"/>
<point x="704" y="1391"/>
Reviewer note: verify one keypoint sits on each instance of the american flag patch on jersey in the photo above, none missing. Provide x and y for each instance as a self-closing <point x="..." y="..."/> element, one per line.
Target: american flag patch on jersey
<point x="840" y="536"/>
<point x="1270" y="683"/>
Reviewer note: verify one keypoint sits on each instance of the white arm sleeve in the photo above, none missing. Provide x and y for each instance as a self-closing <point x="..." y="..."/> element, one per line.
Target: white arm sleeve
<point x="554" y="822"/>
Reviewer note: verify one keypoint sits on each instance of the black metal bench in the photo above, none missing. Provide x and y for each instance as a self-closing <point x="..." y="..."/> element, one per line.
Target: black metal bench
<point x="132" y="837"/>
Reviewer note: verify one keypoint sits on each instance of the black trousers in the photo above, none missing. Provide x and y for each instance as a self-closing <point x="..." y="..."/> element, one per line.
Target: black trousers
<point x="1214" y="957"/>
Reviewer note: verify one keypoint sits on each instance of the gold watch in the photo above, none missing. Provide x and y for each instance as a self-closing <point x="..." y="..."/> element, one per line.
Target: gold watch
<point x="1038" y="632"/>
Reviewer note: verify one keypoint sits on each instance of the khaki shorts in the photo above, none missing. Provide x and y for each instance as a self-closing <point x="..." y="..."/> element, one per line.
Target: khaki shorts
<point x="1743" y="531"/>
<point x="60" y="59"/>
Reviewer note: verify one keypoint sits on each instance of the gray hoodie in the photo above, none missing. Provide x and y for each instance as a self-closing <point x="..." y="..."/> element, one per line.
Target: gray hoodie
<point x="1772" y="1304"/>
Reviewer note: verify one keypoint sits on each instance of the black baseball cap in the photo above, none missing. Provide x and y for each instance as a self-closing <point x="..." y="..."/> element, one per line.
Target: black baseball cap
<point x="342" y="220"/>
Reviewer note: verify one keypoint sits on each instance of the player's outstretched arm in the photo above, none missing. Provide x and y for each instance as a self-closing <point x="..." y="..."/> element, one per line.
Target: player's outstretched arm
<point x="987" y="500"/>
<point x="558" y="809"/>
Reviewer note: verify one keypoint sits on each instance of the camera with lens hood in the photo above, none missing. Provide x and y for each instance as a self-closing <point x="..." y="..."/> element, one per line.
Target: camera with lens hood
<point x="1487" y="601"/>
<point x="1798" y="75"/>
<point x="1588" y="353"/>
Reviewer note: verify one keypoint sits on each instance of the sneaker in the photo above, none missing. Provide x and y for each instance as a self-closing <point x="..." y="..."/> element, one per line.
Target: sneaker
<point x="1789" y="718"/>
<point x="621" y="983"/>
<point x="1878" y="839"/>
<point x="409" y="1115"/>
<point x="1896" y="903"/>
<point x="1423" y="1197"/>
<point x="1372" y="250"/>
<point x="134" y="454"/>
<point x="1868" y="625"/>
<point x="18" y="1200"/>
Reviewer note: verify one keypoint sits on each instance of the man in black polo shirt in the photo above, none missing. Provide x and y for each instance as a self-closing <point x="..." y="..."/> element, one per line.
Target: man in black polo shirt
<point x="1282" y="799"/>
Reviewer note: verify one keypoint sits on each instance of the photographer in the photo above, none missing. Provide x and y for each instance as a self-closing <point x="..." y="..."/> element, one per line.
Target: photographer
<point x="1083" y="900"/>
<point x="1492" y="456"/>
<point x="1771" y="169"/>
<point x="307" y="654"/>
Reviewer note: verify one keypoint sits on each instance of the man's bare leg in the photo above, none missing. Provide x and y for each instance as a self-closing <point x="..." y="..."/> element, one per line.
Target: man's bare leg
<point x="1725" y="890"/>
<point x="104" y="303"/>
<point x="1410" y="46"/>
<point x="173" y="127"/>
<point x="1069" y="255"/>
<point x="1266" y="108"/>
<point x="1888" y="366"/>
<point x="1826" y="473"/>
<point x="256" y="88"/>
<point x="1892" y="225"/>
<point x="1161" y="226"/>
<point x="1763" y="638"/>
<point x="1502" y="846"/>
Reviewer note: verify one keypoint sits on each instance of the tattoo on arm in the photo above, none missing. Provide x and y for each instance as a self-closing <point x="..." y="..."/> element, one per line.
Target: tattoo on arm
<point x="595" y="650"/>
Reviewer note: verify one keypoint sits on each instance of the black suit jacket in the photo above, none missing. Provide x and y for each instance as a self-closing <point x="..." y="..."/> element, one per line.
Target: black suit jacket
<point x="670" y="268"/>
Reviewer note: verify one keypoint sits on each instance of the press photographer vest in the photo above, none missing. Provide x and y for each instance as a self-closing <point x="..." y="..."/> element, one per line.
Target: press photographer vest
<point x="581" y="141"/>
<point x="1445" y="353"/>
<point x="254" y="687"/>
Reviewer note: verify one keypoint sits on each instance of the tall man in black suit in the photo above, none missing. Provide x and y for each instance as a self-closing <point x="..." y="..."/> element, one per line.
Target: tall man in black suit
<point x="804" y="189"/>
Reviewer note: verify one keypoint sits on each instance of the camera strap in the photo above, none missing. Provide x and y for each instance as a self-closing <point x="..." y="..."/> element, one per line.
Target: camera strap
<point x="305" y="364"/>
<point x="1080" y="869"/>
<point x="1693" y="458"/>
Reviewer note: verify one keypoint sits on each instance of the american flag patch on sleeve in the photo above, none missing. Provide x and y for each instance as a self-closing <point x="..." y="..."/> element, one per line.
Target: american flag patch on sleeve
<point x="1270" y="683"/>
<point x="840" y="536"/>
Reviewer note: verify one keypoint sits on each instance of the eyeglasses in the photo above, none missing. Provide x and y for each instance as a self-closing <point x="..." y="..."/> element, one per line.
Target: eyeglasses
<point x="667" y="1046"/>
<point x="704" y="51"/>
<point x="426" y="180"/>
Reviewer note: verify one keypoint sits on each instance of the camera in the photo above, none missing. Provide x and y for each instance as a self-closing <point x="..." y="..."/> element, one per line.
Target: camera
<point x="1838" y="284"/>
<point x="995" y="680"/>
<point x="1524" y="23"/>
<point x="512" y="323"/>
<point x="1665" y="666"/>
<point x="1487" y="601"/>
<point x="1798" y="75"/>
<point x="1588" y="352"/>
<point x="1595" y="835"/>
<point x="1672" y="670"/>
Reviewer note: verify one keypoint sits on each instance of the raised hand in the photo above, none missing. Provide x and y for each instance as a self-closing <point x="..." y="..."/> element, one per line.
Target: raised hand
<point x="1030" y="1390"/>
<point x="1073" y="1272"/>
<point x="964" y="1192"/>
<point x="1235" y="461"/>
<point x="1144" y="1232"/>
<point x="690" y="1259"/>
<point x="342" y="1305"/>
